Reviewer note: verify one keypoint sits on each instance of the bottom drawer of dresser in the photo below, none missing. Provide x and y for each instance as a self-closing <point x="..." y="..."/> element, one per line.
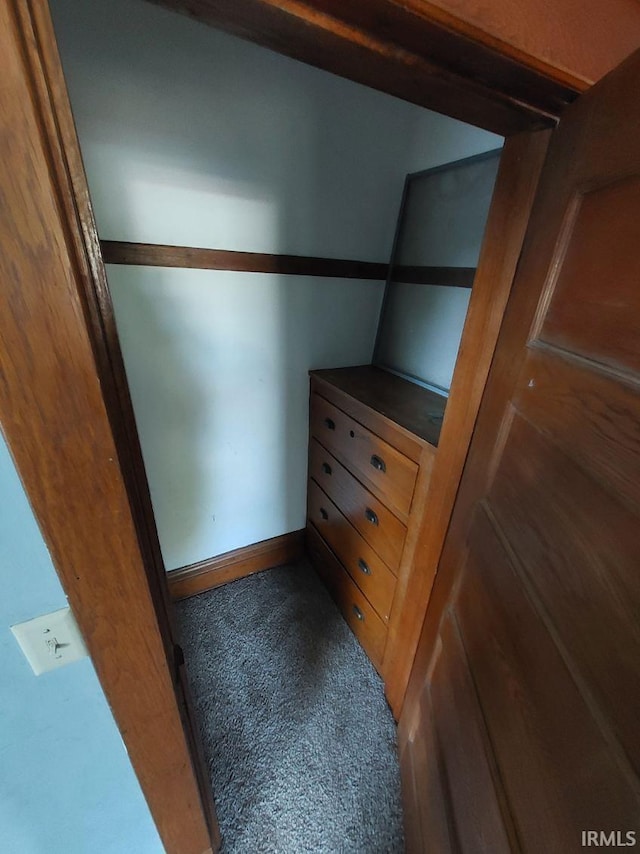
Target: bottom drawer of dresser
<point x="363" y="564"/>
<point x="357" y="611"/>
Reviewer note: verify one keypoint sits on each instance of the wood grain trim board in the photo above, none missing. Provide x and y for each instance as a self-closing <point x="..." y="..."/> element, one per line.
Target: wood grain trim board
<point x="64" y="420"/>
<point x="213" y="572"/>
<point x="190" y="257"/>
<point x="399" y="48"/>
<point x="454" y="277"/>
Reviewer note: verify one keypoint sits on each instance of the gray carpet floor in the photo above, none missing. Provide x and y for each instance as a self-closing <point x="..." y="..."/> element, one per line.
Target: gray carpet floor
<point x="299" y="740"/>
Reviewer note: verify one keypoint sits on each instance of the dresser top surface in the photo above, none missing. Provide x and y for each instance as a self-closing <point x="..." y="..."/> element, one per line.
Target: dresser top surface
<point x="413" y="407"/>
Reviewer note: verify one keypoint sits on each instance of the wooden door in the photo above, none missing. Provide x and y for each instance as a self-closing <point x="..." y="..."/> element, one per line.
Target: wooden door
<point x="521" y="727"/>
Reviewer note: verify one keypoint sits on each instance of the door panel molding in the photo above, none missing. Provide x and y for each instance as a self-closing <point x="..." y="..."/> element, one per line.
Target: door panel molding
<point x="540" y="560"/>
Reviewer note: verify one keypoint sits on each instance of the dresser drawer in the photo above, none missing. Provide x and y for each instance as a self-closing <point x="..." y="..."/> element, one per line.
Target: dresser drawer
<point x="362" y="619"/>
<point x="379" y="527"/>
<point x="365" y="567"/>
<point x="390" y="474"/>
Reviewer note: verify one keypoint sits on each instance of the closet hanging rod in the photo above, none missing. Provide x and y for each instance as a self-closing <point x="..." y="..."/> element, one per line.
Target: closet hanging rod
<point x="188" y="257"/>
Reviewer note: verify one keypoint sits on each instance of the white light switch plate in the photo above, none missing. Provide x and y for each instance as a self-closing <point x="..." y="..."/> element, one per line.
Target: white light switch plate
<point x="50" y="641"/>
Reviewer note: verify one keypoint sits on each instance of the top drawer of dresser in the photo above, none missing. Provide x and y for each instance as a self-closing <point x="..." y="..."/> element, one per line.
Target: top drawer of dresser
<point x="388" y="473"/>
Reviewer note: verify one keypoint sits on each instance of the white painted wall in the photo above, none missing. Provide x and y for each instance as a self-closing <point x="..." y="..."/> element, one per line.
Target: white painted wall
<point x="443" y="225"/>
<point x="217" y="363"/>
<point x="421" y="332"/>
<point x="193" y="137"/>
<point x="445" y="214"/>
<point x="66" y="784"/>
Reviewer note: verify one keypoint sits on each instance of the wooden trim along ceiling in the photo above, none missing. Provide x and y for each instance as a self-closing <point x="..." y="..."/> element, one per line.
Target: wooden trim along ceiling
<point x="239" y="563"/>
<point x="188" y="257"/>
<point x="403" y="49"/>
<point x="505" y="66"/>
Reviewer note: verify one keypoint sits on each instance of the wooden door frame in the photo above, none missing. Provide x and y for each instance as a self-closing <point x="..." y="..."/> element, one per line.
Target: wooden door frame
<point x="68" y="420"/>
<point x="520" y="166"/>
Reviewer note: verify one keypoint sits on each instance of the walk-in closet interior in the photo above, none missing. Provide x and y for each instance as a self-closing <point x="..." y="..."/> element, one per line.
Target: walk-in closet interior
<point x="262" y="219"/>
<point x="326" y="408"/>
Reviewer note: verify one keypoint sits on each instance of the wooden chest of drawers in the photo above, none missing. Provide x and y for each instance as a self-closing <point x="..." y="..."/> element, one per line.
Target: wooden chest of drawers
<point x="372" y="443"/>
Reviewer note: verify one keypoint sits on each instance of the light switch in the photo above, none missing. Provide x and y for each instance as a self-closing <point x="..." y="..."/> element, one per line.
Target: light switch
<point x="50" y="641"/>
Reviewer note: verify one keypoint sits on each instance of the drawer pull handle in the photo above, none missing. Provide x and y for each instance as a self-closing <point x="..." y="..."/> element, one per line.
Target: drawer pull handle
<point x="370" y="516"/>
<point x="326" y="468"/>
<point x="324" y="513"/>
<point x="330" y="423"/>
<point x="358" y="613"/>
<point x="362" y="565"/>
<point x="378" y="463"/>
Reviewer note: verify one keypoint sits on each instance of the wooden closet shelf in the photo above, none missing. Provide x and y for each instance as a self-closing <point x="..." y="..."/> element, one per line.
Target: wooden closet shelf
<point x="189" y="257"/>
